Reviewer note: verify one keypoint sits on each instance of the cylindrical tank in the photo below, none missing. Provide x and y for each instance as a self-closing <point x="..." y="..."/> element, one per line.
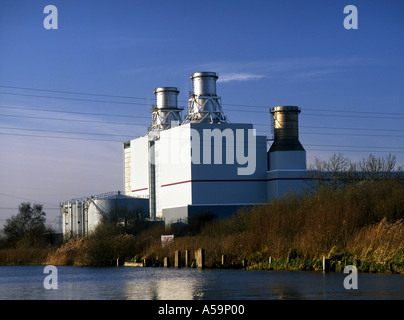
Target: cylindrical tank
<point x="204" y="83"/>
<point x="166" y="97"/>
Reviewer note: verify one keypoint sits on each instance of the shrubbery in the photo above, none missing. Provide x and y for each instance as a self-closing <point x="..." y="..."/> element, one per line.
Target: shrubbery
<point x="359" y="219"/>
<point x="362" y="220"/>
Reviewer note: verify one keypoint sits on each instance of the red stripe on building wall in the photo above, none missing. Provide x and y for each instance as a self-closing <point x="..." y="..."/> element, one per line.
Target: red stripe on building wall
<point x="174" y="183"/>
<point x="139" y="189"/>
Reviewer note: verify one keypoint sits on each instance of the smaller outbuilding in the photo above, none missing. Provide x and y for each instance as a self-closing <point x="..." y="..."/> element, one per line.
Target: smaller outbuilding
<point x="81" y="215"/>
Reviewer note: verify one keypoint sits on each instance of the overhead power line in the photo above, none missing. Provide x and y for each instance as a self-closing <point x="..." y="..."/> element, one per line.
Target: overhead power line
<point x="73" y="112"/>
<point x="74" y="99"/>
<point x="54" y="137"/>
<point x="87" y="135"/>
<point x="352" y="151"/>
<point x="353" y="111"/>
<point x="347" y="146"/>
<point x="68" y="132"/>
<point x="353" y="134"/>
<point x="26" y="199"/>
<point x="351" y="128"/>
<point x="74" y="120"/>
<point x="350" y="111"/>
<point x="352" y="116"/>
<point x="16" y="208"/>
<point x="76" y="93"/>
<point x="122" y="135"/>
<point x="143" y="117"/>
<point x="134" y="124"/>
<point x="388" y="148"/>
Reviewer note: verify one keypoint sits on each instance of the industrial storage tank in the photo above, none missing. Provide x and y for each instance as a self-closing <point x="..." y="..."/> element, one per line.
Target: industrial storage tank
<point x="81" y="216"/>
<point x="74" y="218"/>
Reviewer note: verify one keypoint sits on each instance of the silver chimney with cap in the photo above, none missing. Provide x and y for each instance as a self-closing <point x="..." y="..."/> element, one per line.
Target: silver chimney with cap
<point x="165" y="112"/>
<point x="165" y="115"/>
<point x="203" y="104"/>
<point x="286" y="151"/>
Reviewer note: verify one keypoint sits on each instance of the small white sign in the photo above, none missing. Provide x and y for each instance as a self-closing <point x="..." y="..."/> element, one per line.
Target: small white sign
<point x="166" y="239"/>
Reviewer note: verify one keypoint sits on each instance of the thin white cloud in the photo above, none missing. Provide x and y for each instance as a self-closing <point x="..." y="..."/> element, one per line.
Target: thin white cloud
<point x="310" y="68"/>
<point x="227" y="77"/>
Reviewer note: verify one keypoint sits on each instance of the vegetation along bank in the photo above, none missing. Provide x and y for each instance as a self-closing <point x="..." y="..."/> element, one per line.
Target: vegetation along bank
<point x="359" y="223"/>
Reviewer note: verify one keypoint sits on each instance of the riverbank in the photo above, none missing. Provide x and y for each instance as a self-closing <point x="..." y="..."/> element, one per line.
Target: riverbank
<point x="10" y="257"/>
<point x="78" y="252"/>
<point x="361" y="224"/>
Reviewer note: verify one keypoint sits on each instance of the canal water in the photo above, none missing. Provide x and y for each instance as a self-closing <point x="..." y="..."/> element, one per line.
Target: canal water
<point x="27" y="282"/>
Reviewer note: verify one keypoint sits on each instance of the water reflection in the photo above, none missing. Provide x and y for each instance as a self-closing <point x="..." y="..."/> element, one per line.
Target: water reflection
<point x="161" y="284"/>
<point x="287" y="293"/>
<point x="172" y="289"/>
<point x="26" y="282"/>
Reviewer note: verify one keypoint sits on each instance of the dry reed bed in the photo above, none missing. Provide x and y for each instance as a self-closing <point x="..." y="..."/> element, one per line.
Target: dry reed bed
<point x="362" y="221"/>
<point x="23" y="256"/>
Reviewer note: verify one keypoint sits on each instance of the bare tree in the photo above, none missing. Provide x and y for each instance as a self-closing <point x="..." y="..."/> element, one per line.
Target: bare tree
<point x="373" y="168"/>
<point x="339" y="170"/>
<point x="329" y="172"/>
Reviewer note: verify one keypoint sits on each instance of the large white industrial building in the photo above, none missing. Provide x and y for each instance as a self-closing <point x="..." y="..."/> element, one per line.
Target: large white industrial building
<point x="201" y="163"/>
<point x="207" y="164"/>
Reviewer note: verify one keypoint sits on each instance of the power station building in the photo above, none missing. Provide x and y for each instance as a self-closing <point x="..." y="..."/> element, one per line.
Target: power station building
<point x="200" y="163"/>
<point x="207" y="164"/>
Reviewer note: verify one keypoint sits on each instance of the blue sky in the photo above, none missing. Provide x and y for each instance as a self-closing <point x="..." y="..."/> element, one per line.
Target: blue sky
<point x="114" y="53"/>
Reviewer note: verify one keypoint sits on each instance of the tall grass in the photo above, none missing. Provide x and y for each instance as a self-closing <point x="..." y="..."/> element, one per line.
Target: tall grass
<point x="23" y="256"/>
<point x="71" y="253"/>
<point x="361" y="220"/>
<point x="380" y="244"/>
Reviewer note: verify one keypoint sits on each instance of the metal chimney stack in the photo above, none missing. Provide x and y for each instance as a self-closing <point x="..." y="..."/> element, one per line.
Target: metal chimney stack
<point x="286" y="151"/>
<point x="286" y="129"/>
<point x="166" y="110"/>
<point x="203" y="104"/>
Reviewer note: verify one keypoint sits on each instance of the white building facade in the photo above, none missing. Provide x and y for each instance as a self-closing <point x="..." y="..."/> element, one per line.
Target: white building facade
<point x="207" y="164"/>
